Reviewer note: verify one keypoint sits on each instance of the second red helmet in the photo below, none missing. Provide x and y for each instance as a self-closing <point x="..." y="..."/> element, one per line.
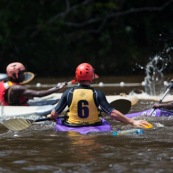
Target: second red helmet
<point x="14" y="68"/>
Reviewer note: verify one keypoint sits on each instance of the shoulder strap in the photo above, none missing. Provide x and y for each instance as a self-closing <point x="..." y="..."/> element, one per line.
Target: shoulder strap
<point x="8" y="94"/>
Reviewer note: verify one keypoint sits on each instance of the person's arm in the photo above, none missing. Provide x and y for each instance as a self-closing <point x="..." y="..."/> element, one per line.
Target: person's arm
<point x="60" y="106"/>
<point x="23" y="91"/>
<point x="117" y="115"/>
<point x="122" y="118"/>
<point x="163" y="105"/>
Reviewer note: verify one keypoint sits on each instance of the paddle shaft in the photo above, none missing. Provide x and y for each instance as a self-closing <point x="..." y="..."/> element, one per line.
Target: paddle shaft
<point x="43" y="119"/>
<point x="164" y="95"/>
<point x="166" y="92"/>
<point x="18" y="124"/>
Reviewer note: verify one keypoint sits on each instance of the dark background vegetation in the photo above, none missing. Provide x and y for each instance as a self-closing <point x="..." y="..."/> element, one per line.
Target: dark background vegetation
<point x="51" y="37"/>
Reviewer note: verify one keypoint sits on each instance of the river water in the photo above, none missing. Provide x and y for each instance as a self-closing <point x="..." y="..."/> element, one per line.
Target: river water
<point x="40" y="149"/>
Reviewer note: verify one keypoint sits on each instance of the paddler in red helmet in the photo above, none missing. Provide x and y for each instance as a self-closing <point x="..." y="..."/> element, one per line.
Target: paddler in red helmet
<point x="13" y="91"/>
<point x="84" y="101"/>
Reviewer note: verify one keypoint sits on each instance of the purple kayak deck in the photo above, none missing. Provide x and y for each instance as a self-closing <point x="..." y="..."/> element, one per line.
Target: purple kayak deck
<point x="105" y="127"/>
<point x="156" y="113"/>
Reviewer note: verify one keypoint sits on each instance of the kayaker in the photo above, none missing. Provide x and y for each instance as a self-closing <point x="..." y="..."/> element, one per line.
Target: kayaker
<point x="84" y="102"/>
<point x="14" y="92"/>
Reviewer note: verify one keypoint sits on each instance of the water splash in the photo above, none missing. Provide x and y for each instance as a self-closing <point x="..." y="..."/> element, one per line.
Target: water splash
<point x="154" y="80"/>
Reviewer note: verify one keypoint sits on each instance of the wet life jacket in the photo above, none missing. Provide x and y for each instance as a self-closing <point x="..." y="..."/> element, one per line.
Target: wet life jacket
<point x="4" y="87"/>
<point x="83" y="110"/>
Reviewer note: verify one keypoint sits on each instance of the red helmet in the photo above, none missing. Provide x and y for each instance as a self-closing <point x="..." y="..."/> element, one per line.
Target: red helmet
<point x="85" y="72"/>
<point x="14" y="68"/>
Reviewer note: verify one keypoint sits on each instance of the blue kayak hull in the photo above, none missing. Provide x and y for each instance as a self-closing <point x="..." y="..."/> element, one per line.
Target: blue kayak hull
<point x="104" y="127"/>
<point x="155" y="113"/>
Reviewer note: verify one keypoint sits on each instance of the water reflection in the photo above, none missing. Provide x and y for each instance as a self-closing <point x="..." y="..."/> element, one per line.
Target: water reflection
<point x="46" y="151"/>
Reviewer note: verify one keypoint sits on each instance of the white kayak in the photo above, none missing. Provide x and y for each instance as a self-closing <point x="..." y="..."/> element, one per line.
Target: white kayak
<point x="133" y="98"/>
<point x="24" y="111"/>
<point x="145" y="96"/>
<point x="38" y="107"/>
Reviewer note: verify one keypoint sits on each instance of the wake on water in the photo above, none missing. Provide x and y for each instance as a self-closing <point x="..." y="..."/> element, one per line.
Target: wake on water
<point x="154" y="80"/>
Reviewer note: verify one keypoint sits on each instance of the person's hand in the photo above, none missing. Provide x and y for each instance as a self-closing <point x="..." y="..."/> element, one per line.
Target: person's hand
<point x="156" y="105"/>
<point x="53" y="115"/>
<point x="61" y="85"/>
<point x="142" y="124"/>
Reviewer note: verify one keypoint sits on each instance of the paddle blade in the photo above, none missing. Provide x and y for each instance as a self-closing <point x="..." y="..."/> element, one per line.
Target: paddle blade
<point x="122" y="105"/>
<point x="147" y="125"/>
<point x="28" y="77"/>
<point x="17" y="124"/>
<point x="134" y="99"/>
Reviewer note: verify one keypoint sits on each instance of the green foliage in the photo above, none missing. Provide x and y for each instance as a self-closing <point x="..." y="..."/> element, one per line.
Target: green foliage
<point x="53" y="37"/>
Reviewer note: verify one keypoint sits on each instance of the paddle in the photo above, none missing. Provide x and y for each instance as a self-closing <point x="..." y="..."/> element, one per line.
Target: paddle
<point x="18" y="124"/>
<point x="121" y="105"/>
<point x="164" y="95"/>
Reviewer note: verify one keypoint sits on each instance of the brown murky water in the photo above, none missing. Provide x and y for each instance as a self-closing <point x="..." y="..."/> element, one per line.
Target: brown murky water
<point x="40" y="149"/>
